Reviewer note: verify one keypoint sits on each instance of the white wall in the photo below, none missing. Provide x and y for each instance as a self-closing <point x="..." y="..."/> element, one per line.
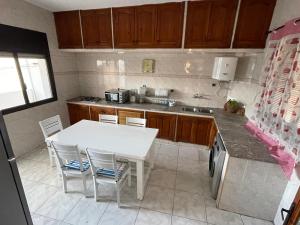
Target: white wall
<point x="23" y="126"/>
<point x="186" y="73"/>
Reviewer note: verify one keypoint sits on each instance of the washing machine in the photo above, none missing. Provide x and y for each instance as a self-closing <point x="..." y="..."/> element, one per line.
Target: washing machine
<point x="216" y="163"/>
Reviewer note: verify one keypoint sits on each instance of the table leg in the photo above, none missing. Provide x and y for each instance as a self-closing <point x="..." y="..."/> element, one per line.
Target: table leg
<point x="140" y="179"/>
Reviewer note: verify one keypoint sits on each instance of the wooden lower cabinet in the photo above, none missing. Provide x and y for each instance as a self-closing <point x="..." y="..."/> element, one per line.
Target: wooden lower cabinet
<point x="192" y="129"/>
<point x="123" y="113"/>
<point x="78" y="112"/>
<point x="95" y="111"/>
<point x="166" y="123"/>
<point x="213" y="133"/>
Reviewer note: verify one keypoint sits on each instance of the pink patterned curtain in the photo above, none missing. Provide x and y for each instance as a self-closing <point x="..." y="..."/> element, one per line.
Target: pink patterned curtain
<point x="278" y="107"/>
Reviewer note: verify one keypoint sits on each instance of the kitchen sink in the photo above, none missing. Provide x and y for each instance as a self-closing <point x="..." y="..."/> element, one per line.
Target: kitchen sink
<point x="197" y="110"/>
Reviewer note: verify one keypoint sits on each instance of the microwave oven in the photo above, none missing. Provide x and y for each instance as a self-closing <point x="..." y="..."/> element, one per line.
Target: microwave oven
<point x="117" y="95"/>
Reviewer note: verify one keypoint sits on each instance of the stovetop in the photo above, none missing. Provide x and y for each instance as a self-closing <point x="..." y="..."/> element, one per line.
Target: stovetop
<point x="90" y="99"/>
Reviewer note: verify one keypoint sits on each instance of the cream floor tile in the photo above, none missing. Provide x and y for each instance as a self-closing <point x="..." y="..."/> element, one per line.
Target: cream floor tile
<point x="59" y="205"/>
<point x="183" y="221"/>
<point x="158" y="199"/>
<point x="188" y="182"/>
<point x="189" y="153"/>
<point x="188" y="205"/>
<point x="86" y="211"/>
<point x="253" y="221"/>
<point x="42" y="220"/>
<point x="166" y="162"/>
<point x="27" y="184"/>
<point x="163" y="178"/>
<point x="118" y="216"/>
<point x="168" y="150"/>
<point x="129" y="196"/>
<point x="38" y="195"/>
<point x="221" y="217"/>
<point x="40" y="155"/>
<point x="147" y="217"/>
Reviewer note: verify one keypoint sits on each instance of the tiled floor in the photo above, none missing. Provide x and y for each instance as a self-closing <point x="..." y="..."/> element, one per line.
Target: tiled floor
<point x="177" y="193"/>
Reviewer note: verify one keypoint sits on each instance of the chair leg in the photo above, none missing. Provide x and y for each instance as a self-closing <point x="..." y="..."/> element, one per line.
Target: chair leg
<point x="129" y="176"/>
<point x="50" y="157"/>
<point x="64" y="179"/>
<point x="84" y="185"/>
<point x="95" y="190"/>
<point x="118" y="194"/>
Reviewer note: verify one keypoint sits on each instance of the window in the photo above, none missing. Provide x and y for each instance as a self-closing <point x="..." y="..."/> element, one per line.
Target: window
<point x="24" y="81"/>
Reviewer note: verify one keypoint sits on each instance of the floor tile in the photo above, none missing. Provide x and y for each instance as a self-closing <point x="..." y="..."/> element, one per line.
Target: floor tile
<point x="189" y="153"/>
<point x="158" y="199"/>
<point x="86" y="211"/>
<point x="188" y="205"/>
<point x="59" y="205"/>
<point x="253" y="221"/>
<point x="165" y="162"/>
<point x="41" y="220"/>
<point x="163" y="178"/>
<point x="147" y="217"/>
<point x="183" y="221"/>
<point x="188" y="182"/>
<point x="118" y="216"/>
<point x="38" y="195"/>
<point x="221" y="217"/>
<point x="168" y="150"/>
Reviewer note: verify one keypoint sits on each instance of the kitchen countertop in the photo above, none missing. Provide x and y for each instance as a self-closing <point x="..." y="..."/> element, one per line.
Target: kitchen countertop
<point x="238" y="141"/>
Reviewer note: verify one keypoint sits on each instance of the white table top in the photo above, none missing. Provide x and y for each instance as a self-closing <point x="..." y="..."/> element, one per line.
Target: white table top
<point x="126" y="141"/>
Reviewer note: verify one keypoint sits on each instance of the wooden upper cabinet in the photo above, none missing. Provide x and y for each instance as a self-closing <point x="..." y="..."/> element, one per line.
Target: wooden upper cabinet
<point x="124" y="27"/>
<point x="68" y="29"/>
<point x="210" y="23"/>
<point x="169" y="25"/>
<point x="145" y="21"/>
<point x="253" y="23"/>
<point x="96" y="28"/>
<point x="166" y="123"/>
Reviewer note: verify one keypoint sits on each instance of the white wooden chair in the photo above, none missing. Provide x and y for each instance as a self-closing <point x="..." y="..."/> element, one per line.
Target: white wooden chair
<point x="108" y="119"/>
<point x="137" y="122"/>
<point x="49" y="127"/>
<point x="71" y="164"/>
<point x="106" y="169"/>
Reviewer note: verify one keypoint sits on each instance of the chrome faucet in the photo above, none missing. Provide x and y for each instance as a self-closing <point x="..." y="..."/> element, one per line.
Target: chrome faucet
<point x="201" y="96"/>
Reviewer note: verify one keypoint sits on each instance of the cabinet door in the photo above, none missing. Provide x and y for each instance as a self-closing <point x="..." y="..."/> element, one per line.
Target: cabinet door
<point x="169" y="25"/>
<point x="68" y="29"/>
<point x="210" y="23"/>
<point x="95" y="111"/>
<point x="166" y="124"/>
<point x="96" y="28"/>
<point x="78" y="112"/>
<point x="145" y="23"/>
<point x="253" y="23"/>
<point x="124" y="27"/>
<point x="194" y="130"/>
<point x="122" y="113"/>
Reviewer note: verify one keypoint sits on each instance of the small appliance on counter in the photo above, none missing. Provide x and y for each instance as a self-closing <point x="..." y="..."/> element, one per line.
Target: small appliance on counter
<point x="117" y="95"/>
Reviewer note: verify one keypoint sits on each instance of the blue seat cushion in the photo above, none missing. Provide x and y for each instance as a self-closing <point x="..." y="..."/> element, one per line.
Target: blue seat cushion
<point x="75" y="165"/>
<point x="121" y="167"/>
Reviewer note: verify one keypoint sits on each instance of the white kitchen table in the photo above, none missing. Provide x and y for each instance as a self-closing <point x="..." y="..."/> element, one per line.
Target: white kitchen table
<point x="133" y="143"/>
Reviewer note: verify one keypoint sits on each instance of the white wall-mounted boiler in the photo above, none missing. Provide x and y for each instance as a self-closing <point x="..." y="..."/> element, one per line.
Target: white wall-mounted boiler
<point x="224" y="68"/>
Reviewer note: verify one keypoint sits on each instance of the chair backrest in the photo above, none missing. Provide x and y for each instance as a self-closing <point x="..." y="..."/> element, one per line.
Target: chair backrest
<point x="113" y="119"/>
<point x="51" y="126"/>
<point x="137" y="122"/>
<point x="101" y="160"/>
<point x="66" y="153"/>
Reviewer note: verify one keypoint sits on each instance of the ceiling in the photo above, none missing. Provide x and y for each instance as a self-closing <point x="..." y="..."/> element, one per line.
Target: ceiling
<point x="61" y="5"/>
